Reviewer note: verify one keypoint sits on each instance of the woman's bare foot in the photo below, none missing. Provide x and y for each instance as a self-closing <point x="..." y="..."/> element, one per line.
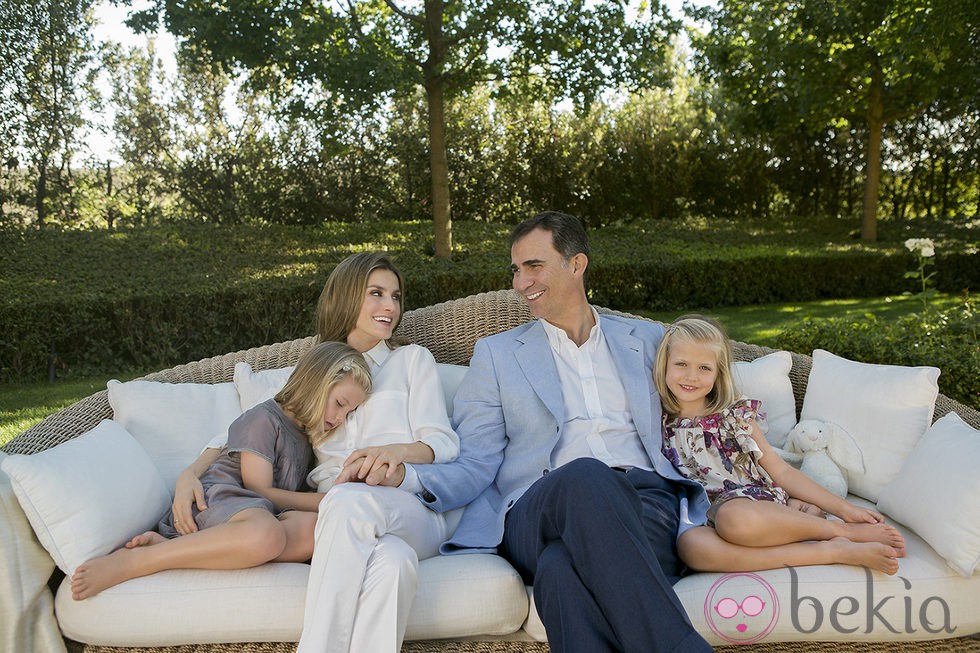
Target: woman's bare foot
<point x="149" y="538"/>
<point x="97" y="574"/>
<point x="881" y="533"/>
<point x="872" y="555"/>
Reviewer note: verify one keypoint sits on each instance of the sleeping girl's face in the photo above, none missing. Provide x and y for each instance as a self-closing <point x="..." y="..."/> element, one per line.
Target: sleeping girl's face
<point x="344" y="396"/>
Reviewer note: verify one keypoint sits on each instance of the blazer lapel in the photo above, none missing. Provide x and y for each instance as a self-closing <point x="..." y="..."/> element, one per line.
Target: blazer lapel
<point x="538" y="364"/>
<point x="627" y="353"/>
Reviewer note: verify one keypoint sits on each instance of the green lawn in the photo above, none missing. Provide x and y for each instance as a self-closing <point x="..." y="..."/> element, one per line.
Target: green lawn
<point x="23" y="405"/>
<point x="760" y="324"/>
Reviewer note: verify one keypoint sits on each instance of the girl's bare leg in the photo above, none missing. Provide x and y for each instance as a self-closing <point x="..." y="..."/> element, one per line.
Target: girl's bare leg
<point x="702" y="549"/>
<point x="765" y="523"/>
<point x="251" y="537"/>
<point x="299" y="527"/>
<point x="803" y="506"/>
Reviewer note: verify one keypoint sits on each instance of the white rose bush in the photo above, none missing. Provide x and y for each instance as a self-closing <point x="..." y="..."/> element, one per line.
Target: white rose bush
<point x="925" y="251"/>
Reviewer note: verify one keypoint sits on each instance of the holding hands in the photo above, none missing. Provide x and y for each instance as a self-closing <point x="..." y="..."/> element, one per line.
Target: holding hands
<point x="383" y="465"/>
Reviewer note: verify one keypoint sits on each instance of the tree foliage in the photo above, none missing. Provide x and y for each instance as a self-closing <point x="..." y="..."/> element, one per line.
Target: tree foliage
<point x="813" y="65"/>
<point x="51" y="60"/>
<point x="345" y="56"/>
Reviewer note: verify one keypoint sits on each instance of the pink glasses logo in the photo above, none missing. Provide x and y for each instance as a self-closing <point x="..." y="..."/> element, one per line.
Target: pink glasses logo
<point x="751" y="606"/>
<point x="741" y="608"/>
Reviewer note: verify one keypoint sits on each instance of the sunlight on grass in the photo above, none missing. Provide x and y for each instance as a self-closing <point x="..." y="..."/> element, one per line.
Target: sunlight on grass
<point x="24" y="405"/>
<point x="761" y="324"/>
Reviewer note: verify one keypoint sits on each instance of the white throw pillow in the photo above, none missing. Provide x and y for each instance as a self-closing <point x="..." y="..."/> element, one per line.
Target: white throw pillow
<point x="255" y="387"/>
<point x="450" y="376"/>
<point x="767" y="379"/>
<point x="885" y="408"/>
<point x="173" y="421"/>
<point x="88" y="496"/>
<point x="937" y="492"/>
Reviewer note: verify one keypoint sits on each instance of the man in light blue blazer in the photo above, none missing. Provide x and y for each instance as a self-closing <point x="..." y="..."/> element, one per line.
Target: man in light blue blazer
<point x="560" y="465"/>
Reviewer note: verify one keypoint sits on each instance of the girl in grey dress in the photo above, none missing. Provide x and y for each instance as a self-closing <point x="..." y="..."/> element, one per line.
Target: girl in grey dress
<point x="256" y="512"/>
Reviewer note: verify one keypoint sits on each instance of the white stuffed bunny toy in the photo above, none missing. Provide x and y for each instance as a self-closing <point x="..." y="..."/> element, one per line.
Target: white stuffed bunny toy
<point x="822" y="449"/>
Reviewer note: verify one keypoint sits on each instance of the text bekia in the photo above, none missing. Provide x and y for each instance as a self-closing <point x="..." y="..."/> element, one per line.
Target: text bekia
<point x="845" y="614"/>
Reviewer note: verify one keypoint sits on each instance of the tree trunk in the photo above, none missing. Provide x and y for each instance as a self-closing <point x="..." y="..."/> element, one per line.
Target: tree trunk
<point x="438" y="164"/>
<point x="41" y="190"/>
<point x="439" y="168"/>
<point x="872" y="167"/>
<point x="110" y="212"/>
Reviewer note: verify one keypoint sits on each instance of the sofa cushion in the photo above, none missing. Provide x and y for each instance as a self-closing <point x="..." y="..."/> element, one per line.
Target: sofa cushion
<point x="450" y="376"/>
<point x="925" y="600"/>
<point x="88" y="496"/>
<point x="937" y="492"/>
<point x="173" y="421"/>
<point x="458" y="596"/>
<point x="767" y="379"/>
<point x="885" y="408"/>
<point x="255" y="387"/>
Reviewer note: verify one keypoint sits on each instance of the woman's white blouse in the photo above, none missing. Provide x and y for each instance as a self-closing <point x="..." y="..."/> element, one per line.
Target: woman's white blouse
<point x="405" y="406"/>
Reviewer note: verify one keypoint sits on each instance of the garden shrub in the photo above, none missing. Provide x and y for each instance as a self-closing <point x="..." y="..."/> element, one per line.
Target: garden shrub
<point x="949" y="340"/>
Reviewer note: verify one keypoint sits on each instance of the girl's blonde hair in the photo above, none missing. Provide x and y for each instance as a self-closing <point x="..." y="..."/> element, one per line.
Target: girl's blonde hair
<point x="700" y="330"/>
<point x="304" y="396"/>
<point x="343" y="294"/>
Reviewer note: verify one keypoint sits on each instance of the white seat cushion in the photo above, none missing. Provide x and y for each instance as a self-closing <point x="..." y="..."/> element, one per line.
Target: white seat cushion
<point x="458" y="596"/>
<point x="923" y="582"/>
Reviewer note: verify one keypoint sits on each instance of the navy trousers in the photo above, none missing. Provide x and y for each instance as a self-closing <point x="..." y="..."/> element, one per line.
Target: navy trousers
<point x="599" y="546"/>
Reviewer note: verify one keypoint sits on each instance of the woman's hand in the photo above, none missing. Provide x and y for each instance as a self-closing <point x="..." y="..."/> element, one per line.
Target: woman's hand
<point x="187" y="492"/>
<point x="374" y="465"/>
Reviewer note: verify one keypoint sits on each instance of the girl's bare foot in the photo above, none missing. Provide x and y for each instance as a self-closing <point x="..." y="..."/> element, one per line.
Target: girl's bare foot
<point x="881" y="533"/>
<point x="97" y="574"/>
<point x="149" y="538"/>
<point x="872" y="555"/>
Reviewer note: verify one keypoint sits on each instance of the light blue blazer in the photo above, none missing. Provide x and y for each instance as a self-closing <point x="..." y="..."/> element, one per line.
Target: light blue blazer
<point x="509" y="413"/>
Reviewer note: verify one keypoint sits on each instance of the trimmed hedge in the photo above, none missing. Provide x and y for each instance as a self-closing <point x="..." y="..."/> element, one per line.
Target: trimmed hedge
<point x="106" y="302"/>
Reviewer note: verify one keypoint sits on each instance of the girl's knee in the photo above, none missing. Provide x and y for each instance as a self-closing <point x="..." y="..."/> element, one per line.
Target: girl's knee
<point x="736" y="520"/>
<point x="263" y="538"/>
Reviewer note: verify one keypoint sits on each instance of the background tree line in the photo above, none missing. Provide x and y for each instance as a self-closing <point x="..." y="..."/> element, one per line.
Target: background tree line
<point x="299" y="114"/>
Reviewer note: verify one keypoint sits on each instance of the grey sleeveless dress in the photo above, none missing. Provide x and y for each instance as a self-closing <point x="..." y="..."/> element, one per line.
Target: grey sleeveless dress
<point x="265" y="431"/>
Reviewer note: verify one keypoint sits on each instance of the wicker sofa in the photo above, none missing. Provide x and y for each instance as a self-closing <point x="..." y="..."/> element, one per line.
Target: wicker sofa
<point x="444" y="618"/>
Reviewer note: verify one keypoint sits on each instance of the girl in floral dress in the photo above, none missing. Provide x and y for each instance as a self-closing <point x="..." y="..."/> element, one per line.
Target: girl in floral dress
<point x="764" y="513"/>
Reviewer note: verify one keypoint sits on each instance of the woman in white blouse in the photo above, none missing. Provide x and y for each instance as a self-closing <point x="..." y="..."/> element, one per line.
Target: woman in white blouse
<point x="370" y="536"/>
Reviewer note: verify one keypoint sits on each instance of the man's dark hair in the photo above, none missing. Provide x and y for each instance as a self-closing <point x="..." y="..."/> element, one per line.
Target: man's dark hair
<point x="567" y="233"/>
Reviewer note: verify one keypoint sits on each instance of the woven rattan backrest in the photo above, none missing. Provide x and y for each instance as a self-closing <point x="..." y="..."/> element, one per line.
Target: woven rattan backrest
<point x="449" y="330"/>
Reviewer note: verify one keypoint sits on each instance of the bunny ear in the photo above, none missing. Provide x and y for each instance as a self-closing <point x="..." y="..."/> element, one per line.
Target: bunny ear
<point x="844" y="450"/>
<point x="792" y="438"/>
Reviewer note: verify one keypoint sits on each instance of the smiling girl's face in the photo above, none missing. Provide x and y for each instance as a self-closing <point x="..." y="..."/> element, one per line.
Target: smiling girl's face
<point x="380" y="311"/>
<point x="692" y="369"/>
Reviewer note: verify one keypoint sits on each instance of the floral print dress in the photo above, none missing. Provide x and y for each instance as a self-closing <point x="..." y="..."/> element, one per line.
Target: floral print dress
<point x="718" y="451"/>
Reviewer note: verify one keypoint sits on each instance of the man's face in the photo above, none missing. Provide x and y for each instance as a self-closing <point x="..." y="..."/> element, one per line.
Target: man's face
<point x="547" y="282"/>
